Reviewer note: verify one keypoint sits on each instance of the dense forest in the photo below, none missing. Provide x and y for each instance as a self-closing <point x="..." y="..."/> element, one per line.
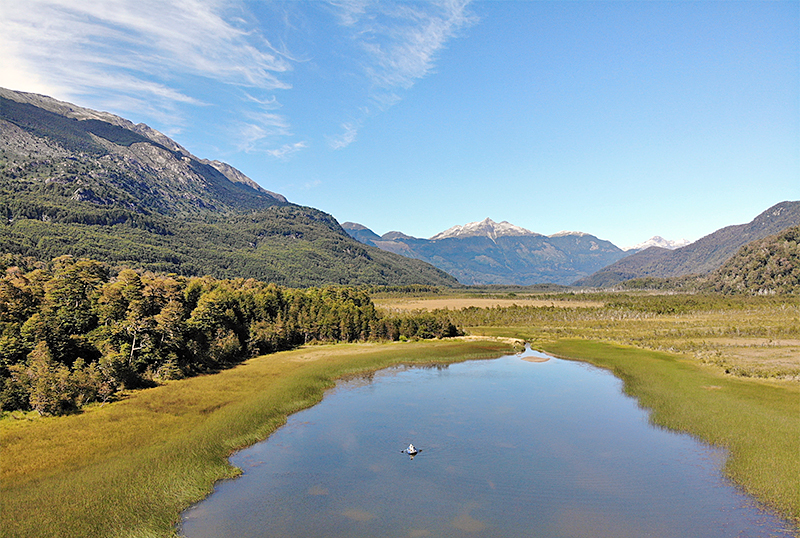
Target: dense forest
<point x="74" y="331"/>
<point x="767" y="266"/>
<point x="286" y="244"/>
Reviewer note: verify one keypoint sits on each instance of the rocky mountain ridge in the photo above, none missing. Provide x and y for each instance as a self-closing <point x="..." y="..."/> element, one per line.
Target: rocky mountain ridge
<point x="100" y="152"/>
<point x="486" y="227"/>
<point x="487" y="252"/>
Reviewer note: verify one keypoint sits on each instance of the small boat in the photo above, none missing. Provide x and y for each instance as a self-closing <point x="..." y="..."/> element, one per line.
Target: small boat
<point x="411" y="450"/>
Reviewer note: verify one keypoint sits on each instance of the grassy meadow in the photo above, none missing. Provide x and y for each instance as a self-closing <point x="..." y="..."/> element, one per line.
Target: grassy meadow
<point x="753" y="337"/>
<point x="128" y="468"/>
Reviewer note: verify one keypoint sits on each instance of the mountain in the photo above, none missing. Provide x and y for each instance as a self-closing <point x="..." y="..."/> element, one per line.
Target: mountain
<point x="90" y="184"/>
<point x="361" y="233"/>
<point x="658" y="241"/>
<point x="110" y="161"/>
<point x="486" y="227"/>
<point x="702" y="256"/>
<point x="488" y="252"/>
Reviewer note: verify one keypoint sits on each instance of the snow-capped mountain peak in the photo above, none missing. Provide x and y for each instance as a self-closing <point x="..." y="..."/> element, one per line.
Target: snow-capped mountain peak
<point x="658" y="241"/>
<point x="486" y="227"/>
<point x="566" y="233"/>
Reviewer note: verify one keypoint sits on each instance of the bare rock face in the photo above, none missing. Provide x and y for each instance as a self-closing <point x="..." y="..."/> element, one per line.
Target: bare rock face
<point x="44" y="139"/>
<point x="237" y="177"/>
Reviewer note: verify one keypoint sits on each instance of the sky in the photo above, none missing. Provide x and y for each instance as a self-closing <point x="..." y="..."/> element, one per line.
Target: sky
<point x="620" y="119"/>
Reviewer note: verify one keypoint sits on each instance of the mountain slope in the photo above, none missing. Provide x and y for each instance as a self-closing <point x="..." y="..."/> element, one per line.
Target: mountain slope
<point x="86" y="183"/>
<point x="487" y="252"/>
<point x="700" y="257"/>
<point x="111" y="161"/>
<point x="769" y="265"/>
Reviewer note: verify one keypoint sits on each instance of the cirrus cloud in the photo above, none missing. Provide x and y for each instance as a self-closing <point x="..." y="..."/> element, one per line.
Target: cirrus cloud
<point x="134" y="49"/>
<point x="401" y="41"/>
<point x="165" y="59"/>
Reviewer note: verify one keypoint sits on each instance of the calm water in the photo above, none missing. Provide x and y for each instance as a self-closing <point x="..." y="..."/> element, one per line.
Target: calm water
<point x="509" y="448"/>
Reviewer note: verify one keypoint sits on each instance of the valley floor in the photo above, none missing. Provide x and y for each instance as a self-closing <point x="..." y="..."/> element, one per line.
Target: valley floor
<point x="726" y="373"/>
<point x="754" y="337"/>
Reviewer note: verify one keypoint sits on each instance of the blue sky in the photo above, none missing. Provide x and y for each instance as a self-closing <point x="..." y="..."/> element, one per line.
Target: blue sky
<point x="620" y="119"/>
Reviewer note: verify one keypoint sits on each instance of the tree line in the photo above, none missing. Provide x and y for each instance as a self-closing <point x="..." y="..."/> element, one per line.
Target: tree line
<point x="75" y="331"/>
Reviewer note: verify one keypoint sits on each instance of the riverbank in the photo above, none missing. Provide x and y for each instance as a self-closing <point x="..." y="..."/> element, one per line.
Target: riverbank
<point x="129" y="468"/>
<point x="757" y="422"/>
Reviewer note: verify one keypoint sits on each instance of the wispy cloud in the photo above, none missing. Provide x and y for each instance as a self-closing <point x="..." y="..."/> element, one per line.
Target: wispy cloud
<point x="286" y="150"/>
<point x="255" y="130"/>
<point x="345" y="138"/>
<point x="401" y="41"/>
<point x="134" y="48"/>
<point x="311" y="185"/>
<point x="161" y="58"/>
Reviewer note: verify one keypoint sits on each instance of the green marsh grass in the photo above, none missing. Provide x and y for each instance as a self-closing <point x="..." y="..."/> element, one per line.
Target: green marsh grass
<point x="129" y="468"/>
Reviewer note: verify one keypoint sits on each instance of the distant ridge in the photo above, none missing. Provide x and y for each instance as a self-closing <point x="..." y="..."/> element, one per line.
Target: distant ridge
<point x="702" y="256"/>
<point x="488" y="252"/>
<point x="566" y="233"/>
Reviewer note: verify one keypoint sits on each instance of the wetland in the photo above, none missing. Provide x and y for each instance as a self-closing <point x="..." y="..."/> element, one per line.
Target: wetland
<point x="721" y="369"/>
<point x="521" y="445"/>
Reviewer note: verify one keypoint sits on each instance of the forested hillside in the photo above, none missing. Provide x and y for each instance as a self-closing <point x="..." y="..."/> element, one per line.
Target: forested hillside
<point x="89" y="184"/>
<point x="71" y="332"/>
<point x="767" y="266"/>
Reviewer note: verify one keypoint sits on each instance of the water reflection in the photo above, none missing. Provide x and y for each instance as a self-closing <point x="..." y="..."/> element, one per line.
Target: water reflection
<point x="511" y="448"/>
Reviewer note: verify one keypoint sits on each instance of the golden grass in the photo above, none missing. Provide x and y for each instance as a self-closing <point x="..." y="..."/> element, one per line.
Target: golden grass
<point x="130" y="467"/>
<point x="759" y="342"/>
<point x="400" y="304"/>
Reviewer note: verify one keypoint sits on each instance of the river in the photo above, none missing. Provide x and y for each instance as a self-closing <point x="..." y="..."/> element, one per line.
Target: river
<point x="523" y="445"/>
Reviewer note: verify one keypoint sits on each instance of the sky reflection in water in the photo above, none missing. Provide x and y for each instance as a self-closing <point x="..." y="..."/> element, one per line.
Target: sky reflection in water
<point x="509" y="448"/>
